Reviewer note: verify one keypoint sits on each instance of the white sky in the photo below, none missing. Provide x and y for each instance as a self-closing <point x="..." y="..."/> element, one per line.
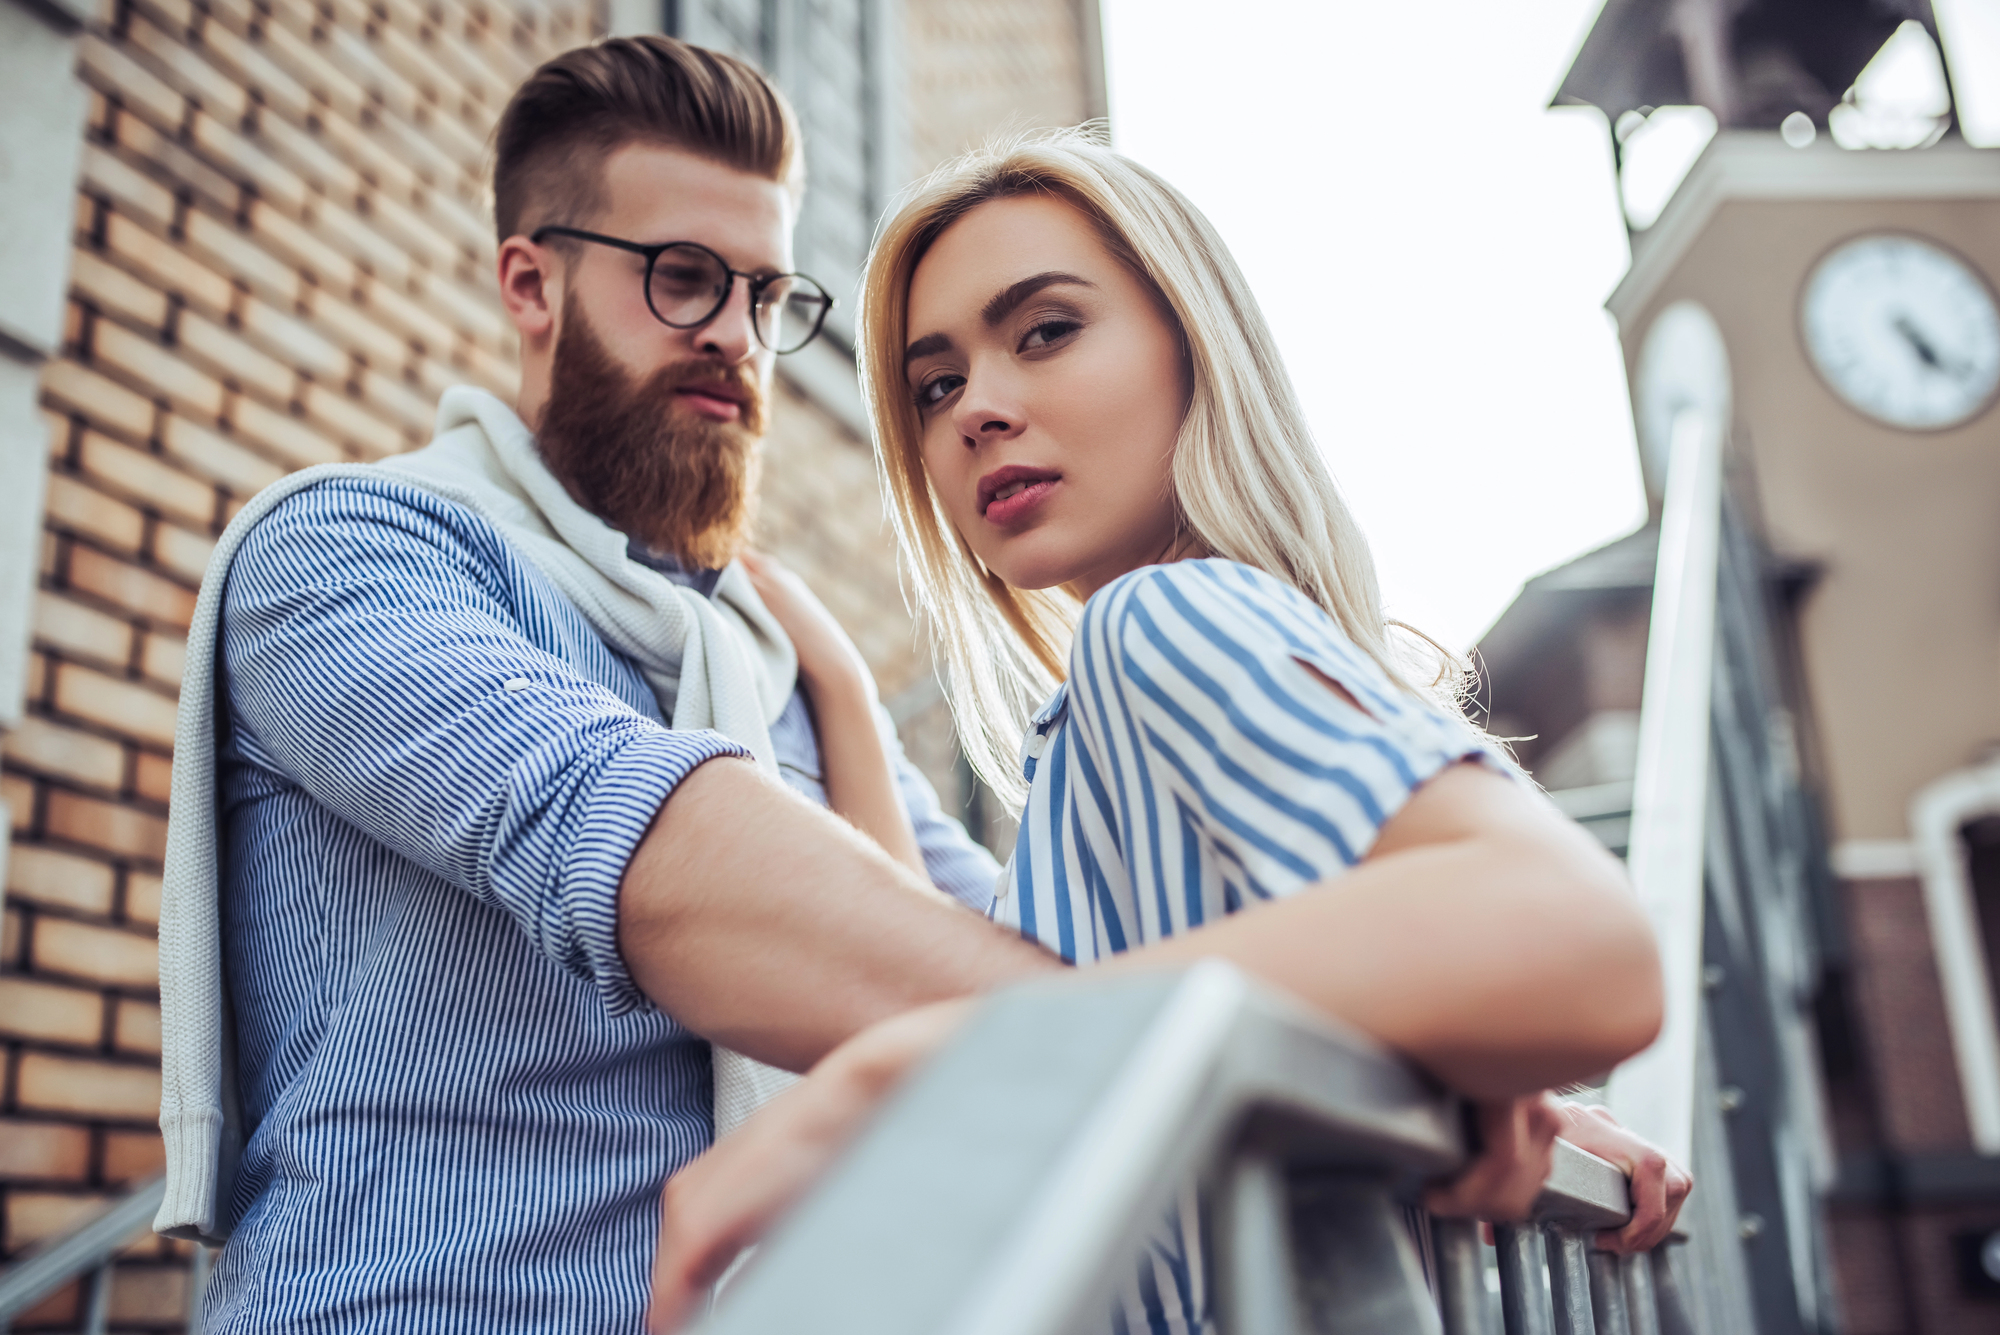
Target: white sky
<point x="1433" y="249"/>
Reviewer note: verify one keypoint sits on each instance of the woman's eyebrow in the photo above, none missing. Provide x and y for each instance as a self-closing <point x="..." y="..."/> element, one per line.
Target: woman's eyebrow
<point x="1008" y="298"/>
<point x="926" y="346"/>
<point x="1003" y="304"/>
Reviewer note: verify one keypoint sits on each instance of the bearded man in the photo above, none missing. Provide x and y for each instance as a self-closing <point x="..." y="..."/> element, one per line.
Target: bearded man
<point x="482" y="830"/>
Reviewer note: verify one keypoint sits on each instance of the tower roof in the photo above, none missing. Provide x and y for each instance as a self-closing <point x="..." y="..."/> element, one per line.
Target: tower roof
<point x="1751" y="62"/>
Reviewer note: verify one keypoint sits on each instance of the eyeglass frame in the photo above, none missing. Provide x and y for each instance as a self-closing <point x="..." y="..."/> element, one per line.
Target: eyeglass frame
<point x="652" y="254"/>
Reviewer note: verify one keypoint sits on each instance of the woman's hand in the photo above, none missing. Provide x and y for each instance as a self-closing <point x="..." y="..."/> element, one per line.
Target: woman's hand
<point x="1659" y="1185"/>
<point x="1518" y="1144"/>
<point x="725" y="1200"/>
<point x="1517" y="1140"/>
<point x="854" y="758"/>
<point x="827" y="656"/>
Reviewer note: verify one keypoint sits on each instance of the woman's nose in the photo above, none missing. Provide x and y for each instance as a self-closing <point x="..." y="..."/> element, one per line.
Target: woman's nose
<point x="984" y="413"/>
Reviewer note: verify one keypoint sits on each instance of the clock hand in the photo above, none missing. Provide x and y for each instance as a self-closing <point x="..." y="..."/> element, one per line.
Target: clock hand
<point x="1927" y="354"/>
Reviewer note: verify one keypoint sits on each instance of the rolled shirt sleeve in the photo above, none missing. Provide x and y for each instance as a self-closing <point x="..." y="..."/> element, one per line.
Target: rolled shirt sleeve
<point x="387" y="651"/>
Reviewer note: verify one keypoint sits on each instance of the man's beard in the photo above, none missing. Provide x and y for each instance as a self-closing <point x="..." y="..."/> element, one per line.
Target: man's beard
<point x="645" y="464"/>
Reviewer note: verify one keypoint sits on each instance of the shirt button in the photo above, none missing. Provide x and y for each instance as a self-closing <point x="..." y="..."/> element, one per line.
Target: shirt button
<point x="517" y="684"/>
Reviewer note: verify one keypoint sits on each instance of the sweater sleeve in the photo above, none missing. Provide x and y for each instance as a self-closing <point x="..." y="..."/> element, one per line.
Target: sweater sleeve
<point x="377" y="653"/>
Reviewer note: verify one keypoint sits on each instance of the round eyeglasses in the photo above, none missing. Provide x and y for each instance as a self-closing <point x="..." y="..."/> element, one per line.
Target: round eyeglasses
<point x="687" y="285"/>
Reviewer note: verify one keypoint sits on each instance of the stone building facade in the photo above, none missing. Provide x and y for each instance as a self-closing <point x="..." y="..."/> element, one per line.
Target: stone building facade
<point x="240" y="237"/>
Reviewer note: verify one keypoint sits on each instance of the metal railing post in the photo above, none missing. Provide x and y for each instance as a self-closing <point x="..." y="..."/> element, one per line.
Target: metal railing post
<point x="97" y="1308"/>
<point x="1357" y="1269"/>
<point x="1642" y="1308"/>
<point x="1526" y="1304"/>
<point x="1569" y="1281"/>
<point x="1253" y="1240"/>
<point x="1461" y="1276"/>
<point x="1669" y="1289"/>
<point x="1607" y="1294"/>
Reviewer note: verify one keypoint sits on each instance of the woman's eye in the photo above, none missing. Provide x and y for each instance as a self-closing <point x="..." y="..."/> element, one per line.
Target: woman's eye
<point x="933" y="392"/>
<point x="1049" y="332"/>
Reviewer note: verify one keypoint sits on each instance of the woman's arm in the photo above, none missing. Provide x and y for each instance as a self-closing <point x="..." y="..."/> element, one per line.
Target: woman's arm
<point x="860" y="781"/>
<point x="1486" y="937"/>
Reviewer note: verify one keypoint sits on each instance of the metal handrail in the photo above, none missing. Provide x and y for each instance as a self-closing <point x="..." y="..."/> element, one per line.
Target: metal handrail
<point x="1008" y="1187"/>
<point x="86" y="1250"/>
<point x="1653" y="1093"/>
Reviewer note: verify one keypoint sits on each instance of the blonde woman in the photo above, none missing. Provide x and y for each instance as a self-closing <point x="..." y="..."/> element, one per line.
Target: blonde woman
<point x="1115" y="517"/>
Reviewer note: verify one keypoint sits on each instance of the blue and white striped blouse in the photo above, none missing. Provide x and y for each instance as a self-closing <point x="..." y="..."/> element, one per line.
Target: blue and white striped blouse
<point x="1192" y="765"/>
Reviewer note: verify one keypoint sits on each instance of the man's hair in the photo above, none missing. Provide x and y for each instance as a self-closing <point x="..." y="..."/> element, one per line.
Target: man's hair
<point x="573" y="112"/>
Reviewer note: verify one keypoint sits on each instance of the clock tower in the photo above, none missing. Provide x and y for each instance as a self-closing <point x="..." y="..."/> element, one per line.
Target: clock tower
<point x="1837" y="261"/>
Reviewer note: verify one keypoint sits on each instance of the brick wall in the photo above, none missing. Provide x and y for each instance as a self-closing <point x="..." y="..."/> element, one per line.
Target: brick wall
<point x="1893" y="1257"/>
<point x="281" y="257"/>
<point x="982" y="66"/>
<point x="1922" y="1106"/>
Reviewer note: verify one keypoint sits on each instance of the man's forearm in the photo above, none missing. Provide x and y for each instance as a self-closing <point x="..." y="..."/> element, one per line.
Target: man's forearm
<point x="772" y="927"/>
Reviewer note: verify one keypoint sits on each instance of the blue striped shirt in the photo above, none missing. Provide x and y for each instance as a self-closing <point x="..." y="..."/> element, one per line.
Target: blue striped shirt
<point x="1192" y="765"/>
<point x="432" y="774"/>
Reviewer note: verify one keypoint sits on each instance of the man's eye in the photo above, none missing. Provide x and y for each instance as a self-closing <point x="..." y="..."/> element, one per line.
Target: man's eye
<point x="933" y="392"/>
<point x="1049" y="332"/>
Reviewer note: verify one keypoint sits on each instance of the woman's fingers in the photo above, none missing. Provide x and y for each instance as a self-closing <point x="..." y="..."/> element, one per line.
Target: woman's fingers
<point x="1650" y="1221"/>
<point x="1659" y="1185"/>
<point x="1517" y="1141"/>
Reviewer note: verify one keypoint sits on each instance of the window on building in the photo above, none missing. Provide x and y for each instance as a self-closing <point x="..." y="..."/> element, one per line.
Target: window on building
<point x="835" y="59"/>
<point x="1982" y="856"/>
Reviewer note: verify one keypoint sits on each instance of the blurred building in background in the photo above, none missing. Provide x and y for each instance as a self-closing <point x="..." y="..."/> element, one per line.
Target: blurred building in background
<point x="1824" y="275"/>
<point x="240" y="237"/>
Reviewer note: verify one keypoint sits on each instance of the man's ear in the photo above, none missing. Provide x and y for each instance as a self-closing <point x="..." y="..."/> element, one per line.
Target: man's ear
<point x="530" y="287"/>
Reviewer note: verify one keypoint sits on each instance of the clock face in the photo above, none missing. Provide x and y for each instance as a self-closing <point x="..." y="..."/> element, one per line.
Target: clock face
<point x="1904" y="331"/>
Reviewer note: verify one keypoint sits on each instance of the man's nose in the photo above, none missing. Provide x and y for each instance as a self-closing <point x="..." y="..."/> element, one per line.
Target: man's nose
<point x="730" y="335"/>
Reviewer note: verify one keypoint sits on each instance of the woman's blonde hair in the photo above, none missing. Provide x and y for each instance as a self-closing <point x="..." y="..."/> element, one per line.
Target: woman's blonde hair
<point x="1248" y="481"/>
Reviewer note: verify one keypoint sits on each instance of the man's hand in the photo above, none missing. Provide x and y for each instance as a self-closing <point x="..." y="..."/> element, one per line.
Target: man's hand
<point x="725" y="1200"/>
<point x="1517" y="1145"/>
<point x="1659" y="1185"/>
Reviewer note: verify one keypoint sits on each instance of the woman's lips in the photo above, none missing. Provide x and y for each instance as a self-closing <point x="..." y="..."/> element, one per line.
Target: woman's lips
<point x="1013" y="505"/>
<point x="712" y="406"/>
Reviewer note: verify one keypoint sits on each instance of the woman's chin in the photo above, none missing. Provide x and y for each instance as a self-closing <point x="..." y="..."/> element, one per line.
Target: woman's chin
<point x="1027" y="562"/>
<point x="1034" y="578"/>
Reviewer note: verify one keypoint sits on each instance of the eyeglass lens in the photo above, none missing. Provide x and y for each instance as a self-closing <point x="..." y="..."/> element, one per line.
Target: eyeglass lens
<point x="690" y="286"/>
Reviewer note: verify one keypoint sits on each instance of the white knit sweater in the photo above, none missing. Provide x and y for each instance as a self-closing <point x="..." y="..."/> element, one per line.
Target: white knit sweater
<point x="723" y="664"/>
